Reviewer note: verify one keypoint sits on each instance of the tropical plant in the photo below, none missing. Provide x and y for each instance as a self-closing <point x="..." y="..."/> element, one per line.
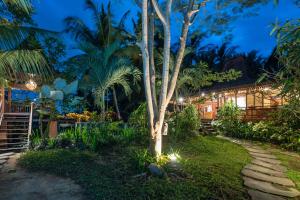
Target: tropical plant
<point x="102" y="71"/>
<point x="13" y="58"/>
<point x="107" y="33"/>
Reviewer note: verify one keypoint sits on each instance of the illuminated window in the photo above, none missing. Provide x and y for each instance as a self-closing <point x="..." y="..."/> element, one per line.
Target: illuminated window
<point x="241" y="102"/>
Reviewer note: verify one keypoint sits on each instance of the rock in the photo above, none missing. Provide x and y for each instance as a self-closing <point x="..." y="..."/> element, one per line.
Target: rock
<point x="268" y="178"/>
<point x="271" y="161"/>
<point x="256" y="150"/>
<point x="268" y="165"/>
<point x="264" y="170"/>
<point x="271" y="188"/>
<point x="262" y="155"/>
<point x="156" y="170"/>
<point x="257" y="195"/>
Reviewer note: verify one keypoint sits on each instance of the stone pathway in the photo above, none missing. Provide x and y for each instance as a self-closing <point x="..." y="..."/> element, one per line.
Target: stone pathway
<point x="265" y="177"/>
<point x="16" y="184"/>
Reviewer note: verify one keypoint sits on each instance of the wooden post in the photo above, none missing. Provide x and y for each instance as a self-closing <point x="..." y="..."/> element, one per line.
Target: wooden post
<point x="2" y="100"/>
<point x="246" y="99"/>
<point x="9" y="99"/>
<point x="235" y="97"/>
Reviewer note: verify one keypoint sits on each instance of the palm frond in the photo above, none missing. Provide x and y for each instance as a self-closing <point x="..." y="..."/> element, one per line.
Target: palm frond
<point x="25" y="62"/>
<point x="24" y="5"/>
<point x="78" y="29"/>
<point x="11" y="35"/>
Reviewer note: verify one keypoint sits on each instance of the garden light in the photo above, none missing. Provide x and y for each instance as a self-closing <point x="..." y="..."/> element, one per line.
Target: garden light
<point x="180" y="99"/>
<point x="173" y="156"/>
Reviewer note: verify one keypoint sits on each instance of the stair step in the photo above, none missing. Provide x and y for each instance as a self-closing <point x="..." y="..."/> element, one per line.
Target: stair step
<point x="18" y="114"/>
<point x="14" y="133"/>
<point x="13" y="143"/>
<point x="11" y="149"/>
<point x="11" y="138"/>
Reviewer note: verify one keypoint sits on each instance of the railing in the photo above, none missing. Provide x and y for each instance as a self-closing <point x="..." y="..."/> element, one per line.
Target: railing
<point x="258" y="113"/>
<point x="1" y="111"/>
<point x="30" y="124"/>
<point x="18" y="107"/>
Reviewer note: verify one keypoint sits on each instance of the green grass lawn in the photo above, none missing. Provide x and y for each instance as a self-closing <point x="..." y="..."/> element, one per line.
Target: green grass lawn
<point x="291" y="160"/>
<point x="213" y="167"/>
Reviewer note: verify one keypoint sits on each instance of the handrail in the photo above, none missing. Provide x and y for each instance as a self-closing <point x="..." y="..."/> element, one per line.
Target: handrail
<point x="1" y="113"/>
<point x="30" y="124"/>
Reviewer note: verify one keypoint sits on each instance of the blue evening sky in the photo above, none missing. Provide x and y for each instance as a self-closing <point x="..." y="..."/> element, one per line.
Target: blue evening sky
<point x="251" y="33"/>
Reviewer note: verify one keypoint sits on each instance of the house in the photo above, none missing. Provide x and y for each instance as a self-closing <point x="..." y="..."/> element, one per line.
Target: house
<point x="255" y="101"/>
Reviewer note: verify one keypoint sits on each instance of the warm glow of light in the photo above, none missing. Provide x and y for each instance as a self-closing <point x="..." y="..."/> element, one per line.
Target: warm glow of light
<point x="241" y="101"/>
<point x="174" y="157"/>
<point x="203" y="94"/>
<point x="180" y="99"/>
<point x="266" y="89"/>
<point x="31" y="84"/>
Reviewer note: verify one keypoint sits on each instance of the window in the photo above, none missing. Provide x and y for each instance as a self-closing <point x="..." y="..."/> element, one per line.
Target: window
<point x="241" y="102"/>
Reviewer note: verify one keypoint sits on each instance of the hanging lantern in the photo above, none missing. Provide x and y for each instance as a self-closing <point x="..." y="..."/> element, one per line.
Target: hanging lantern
<point x="31" y="84"/>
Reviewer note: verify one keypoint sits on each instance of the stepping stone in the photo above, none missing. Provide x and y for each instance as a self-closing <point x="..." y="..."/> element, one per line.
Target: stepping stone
<point x="254" y="150"/>
<point x="264" y="170"/>
<point x="268" y="160"/>
<point x="275" y="167"/>
<point x="262" y="155"/>
<point x="268" y="178"/>
<point x="271" y="188"/>
<point x="257" y="195"/>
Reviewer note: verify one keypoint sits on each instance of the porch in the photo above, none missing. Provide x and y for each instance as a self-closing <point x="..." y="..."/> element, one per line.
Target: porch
<point x="255" y="102"/>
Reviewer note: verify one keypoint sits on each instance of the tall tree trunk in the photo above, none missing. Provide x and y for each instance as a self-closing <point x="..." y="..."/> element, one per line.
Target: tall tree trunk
<point x="167" y="89"/>
<point x="146" y="78"/>
<point x="116" y="103"/>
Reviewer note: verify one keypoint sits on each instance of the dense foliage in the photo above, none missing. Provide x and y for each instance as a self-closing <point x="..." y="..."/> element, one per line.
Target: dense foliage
<point x="185" y="124"/>
<point x="281" y="129"/>
<point x="92" y="136"/>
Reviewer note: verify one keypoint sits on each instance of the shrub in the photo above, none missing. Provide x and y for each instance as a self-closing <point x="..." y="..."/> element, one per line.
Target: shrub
<point x="140" y="159"/>
<point x="138" y="120"/>
<point x="186" y="123"/>
<point x="94" y="136"/>
<point x="228" y="121"/>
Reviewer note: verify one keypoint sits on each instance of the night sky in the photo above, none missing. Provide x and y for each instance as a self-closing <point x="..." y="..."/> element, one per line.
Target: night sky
<point x="251" y="33"/>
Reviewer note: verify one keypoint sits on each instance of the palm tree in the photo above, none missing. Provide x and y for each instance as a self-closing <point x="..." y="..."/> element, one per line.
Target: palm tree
<point x="13" y="58"/>
<point x="102" y="70"/>
<point x="105" y="31"/>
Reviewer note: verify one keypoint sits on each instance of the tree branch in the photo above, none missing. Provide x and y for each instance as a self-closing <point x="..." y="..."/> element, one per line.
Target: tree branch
<point x="180" y="53"/>
<point x="159" y="12"/>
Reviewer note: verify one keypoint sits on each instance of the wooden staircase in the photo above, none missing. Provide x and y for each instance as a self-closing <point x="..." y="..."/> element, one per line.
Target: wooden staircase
<point x="206" y="127"/>
<point x="14" y="131"/>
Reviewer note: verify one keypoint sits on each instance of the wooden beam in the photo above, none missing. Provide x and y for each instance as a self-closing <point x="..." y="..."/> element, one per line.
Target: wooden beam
<point x="9" y="93"/>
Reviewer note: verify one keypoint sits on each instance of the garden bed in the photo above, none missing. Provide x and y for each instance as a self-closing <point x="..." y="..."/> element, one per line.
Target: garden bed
<point x="213" y="167"/>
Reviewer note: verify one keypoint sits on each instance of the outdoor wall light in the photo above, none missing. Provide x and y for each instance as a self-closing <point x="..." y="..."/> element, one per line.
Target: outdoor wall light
<point x="266" y="89"/>
<point x="31" y="84"/>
